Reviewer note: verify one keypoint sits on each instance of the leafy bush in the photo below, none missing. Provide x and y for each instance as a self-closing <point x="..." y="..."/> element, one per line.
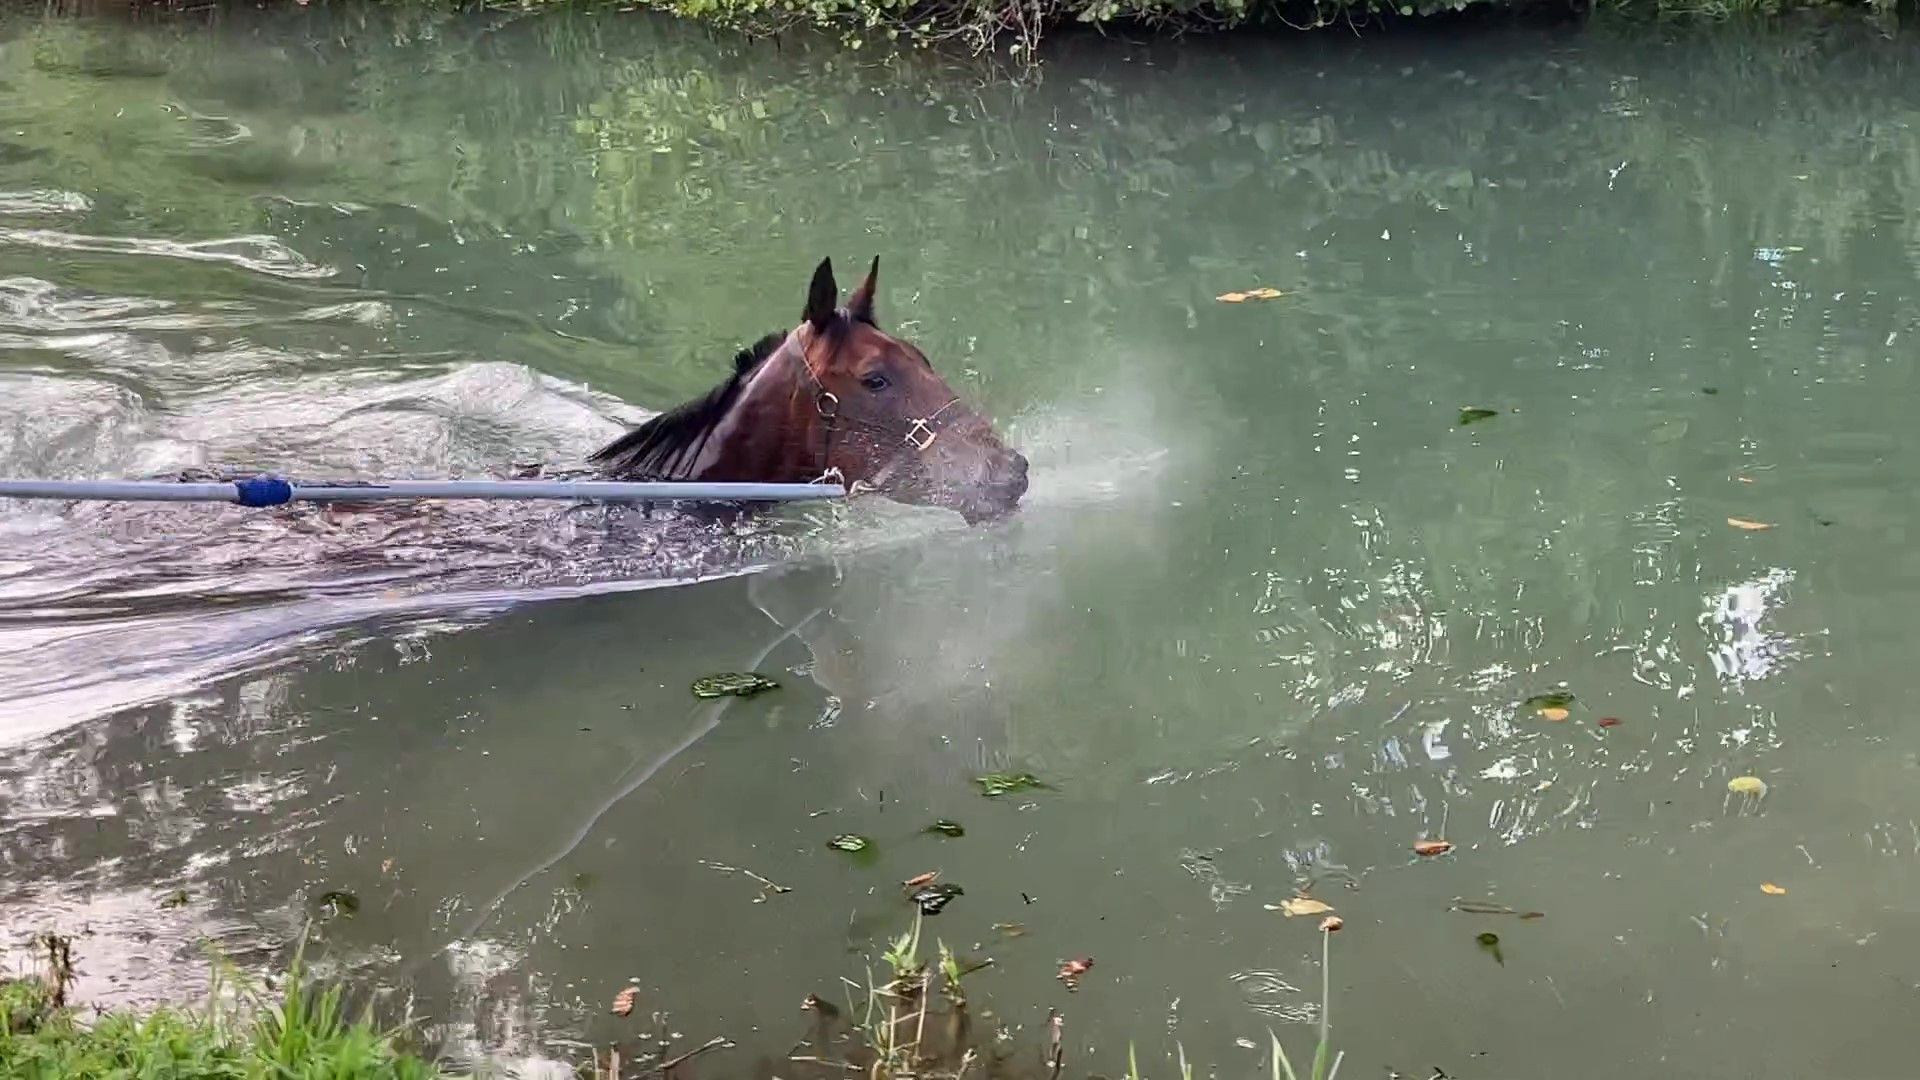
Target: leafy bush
<point x="1018" y="25"/>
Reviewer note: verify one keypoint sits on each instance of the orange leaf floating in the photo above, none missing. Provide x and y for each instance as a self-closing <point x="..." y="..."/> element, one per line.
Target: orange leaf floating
<point x="1609" y="721"/>
<point x="1262" y="293"/>
<point x="623" y="1001"/>
<point x="1432" y="847"/>
<point x="918" y="880"/>
<point x="1071" y="970"/>
<point x="1771" y="889"/>
<point x="1554" y="712"/>
<point x="1750" y="526"/>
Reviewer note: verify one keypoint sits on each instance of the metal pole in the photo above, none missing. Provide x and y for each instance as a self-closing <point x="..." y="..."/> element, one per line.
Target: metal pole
<point x="267" y="492"/>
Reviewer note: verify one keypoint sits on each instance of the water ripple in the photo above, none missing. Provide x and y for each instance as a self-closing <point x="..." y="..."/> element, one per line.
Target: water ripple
<point x="260" y="254"/>
<point x="35" y="203"/>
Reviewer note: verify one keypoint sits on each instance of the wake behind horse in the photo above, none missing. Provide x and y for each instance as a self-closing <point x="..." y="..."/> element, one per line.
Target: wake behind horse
<point x="834" y="398"/>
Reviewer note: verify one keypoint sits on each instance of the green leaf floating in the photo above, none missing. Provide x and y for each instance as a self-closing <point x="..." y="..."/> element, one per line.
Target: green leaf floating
<point x="732" y="683"/>
<point x="1471" y="415"/>
<point x="1001" y="783"/>
<point x="1490" y="944"/>
<point x="1559" y="699"/>
<point x="862" y="850"/>
<point x="946" y="828"/>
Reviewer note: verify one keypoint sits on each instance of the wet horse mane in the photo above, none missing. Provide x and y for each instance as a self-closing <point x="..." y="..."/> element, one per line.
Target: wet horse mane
<point x="668" y="446"/>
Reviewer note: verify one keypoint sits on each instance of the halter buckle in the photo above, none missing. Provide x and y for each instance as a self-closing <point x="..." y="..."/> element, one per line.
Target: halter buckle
<point x="919" y="428"/>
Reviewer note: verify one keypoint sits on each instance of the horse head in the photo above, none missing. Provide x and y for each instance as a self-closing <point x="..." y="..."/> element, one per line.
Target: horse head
<point x="838" y="397"/>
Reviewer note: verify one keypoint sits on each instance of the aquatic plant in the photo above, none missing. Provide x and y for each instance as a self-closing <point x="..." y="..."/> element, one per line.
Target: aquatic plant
<point x="302" y="1031"/>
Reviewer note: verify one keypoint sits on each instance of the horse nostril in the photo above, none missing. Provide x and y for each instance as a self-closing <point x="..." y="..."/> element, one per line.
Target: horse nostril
<point x="1013" y="474"/>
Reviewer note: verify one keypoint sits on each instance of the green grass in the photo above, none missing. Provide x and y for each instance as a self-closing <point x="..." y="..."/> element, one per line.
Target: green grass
<point x="303" y="1032"/>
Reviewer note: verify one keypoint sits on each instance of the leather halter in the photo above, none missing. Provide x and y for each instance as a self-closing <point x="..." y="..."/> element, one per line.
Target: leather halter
<point x="920" y="433"/>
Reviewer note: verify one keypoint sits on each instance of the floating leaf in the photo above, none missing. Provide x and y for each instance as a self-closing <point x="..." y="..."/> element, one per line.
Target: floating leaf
<point x="735" y="683"/>
<point x="1071" y="970"/>
<point x="850" y="843"/>
<point x="918" y="880"/>
<point x="1553" y="713"/>
<point x="623" y="1001"/>
<point x="1010" y="929"/>
<point x="1771" y="889"/>
<point x="1432" y="847"/>
<point x="946" y="828"/>
<point x="1473" y="415"/>
<point x="1261" y="293"/>
<point x="934" y="897"/>
<point x="337" y="903"/>
<point x="1750" y="526"/>
<point x="1490" y="942"/>
<point x="994" y="784"/>
<point x="1300" y="905"/>
<point x="1747" y="785"/>
<point x="175" y="899"/>
<point x="1331" y="923"/>
<point x="1558" y="699"/>
<point x="1609" y="721"/>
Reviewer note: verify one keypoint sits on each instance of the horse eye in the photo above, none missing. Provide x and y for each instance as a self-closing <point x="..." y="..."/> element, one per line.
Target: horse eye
<point x="875" y="382"/>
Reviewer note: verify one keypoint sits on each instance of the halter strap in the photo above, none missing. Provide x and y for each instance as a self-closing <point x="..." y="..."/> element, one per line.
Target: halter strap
<point x="920" y="433"/>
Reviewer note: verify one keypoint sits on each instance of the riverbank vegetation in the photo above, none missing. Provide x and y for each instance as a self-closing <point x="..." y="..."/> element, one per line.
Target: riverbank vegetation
<point x="1017" y="26"/>
<point x="919" y="1022"/>
<point x="300" y="1032"/>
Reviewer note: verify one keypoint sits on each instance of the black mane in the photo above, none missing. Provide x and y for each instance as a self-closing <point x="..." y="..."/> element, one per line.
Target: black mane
<point x="667" y="446"/>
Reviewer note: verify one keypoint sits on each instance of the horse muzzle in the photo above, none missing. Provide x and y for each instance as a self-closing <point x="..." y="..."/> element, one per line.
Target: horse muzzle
<point x="1000" y="494"/>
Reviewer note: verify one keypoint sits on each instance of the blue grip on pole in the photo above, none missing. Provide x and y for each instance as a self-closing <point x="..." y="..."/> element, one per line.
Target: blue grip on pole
<point x="263" y="491"/>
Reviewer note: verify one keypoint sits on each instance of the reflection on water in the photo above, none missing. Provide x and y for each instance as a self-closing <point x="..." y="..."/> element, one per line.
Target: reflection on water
<point x="1269" y="615"/>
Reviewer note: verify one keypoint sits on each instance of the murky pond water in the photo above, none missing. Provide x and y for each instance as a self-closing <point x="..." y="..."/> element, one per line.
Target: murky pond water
<point x="1270" y="614"/>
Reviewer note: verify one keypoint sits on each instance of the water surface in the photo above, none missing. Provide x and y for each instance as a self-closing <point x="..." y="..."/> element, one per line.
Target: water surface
<point x="1269" y="617"/>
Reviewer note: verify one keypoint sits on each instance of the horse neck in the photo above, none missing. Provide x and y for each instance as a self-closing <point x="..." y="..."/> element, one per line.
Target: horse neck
<point x="773" y="434"/>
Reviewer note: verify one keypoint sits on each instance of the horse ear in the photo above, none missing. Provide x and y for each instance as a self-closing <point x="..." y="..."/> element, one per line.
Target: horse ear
<point x="860" y="304"/>
<point x="822" y="296"/>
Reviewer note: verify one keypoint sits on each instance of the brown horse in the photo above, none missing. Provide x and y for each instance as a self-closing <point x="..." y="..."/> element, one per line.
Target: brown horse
<point x="835" y="397"/>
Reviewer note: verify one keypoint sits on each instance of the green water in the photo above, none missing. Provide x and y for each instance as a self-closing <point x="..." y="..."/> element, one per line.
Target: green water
<point x="1268" y="616"/>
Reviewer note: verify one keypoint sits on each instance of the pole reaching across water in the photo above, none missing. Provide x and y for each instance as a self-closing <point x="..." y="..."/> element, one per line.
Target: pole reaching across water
<point x="273" y="491"/>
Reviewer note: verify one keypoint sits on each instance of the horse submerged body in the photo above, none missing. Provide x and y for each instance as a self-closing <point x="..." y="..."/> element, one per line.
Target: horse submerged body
<point x="835" y="397"/>
<point x="104" y="605"/>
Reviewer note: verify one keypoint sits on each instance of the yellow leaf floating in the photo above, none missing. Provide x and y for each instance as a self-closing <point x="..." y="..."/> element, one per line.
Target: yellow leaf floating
<point x="1262" y="293"/>
<point x="1771" y="889"/>
<point x="1300" y="905"/>
<point x="1750" y="526"/>
<point x="1747" y="785"/>
<point x="1554" y="712"/>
